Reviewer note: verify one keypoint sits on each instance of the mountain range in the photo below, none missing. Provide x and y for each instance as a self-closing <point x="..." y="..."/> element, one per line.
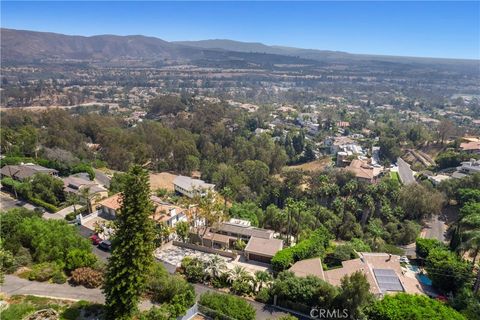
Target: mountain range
<point x="30" y="46"/>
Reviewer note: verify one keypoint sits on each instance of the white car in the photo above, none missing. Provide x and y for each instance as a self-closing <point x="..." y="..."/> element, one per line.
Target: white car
<point x="404" y="259"/>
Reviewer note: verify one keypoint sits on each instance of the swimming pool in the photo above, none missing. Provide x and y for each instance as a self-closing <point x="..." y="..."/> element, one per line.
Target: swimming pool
<point x="413" y="268"/>
<point x="424" y="279"/>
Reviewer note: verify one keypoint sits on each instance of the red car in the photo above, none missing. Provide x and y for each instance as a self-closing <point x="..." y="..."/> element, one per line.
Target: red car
<point x="95" y="239"/>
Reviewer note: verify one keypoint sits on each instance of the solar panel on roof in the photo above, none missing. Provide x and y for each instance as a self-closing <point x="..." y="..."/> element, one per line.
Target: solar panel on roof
<point x="387" y="280"/>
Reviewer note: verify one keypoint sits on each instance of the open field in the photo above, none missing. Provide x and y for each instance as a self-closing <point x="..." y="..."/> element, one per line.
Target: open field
<point x="162" y="180"/>
<point x="316" y="165"/>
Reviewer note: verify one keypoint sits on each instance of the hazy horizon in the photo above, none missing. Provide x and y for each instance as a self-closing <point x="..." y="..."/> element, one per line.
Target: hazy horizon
<point x="426" y="29"/>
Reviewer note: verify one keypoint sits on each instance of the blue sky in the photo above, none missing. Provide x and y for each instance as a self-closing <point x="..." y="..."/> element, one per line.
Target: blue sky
<point x="429" y="29"/>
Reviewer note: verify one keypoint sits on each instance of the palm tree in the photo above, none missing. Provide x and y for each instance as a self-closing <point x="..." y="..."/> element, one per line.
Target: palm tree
<point x="73" y="199"/>
<point x="261" y="278"/>
<point x="87" y="197"/>
<point x="376" y="230"/>
<point x="215" y="266"/>
<point x="368" y="208"/>
<point x="472" y="243"/>
<point x="238" y="273"/>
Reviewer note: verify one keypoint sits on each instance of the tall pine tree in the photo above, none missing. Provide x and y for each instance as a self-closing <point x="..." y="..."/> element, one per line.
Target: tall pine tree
<point x="133" y="245"/>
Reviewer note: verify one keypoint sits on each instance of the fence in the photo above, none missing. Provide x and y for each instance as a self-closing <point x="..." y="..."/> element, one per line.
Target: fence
<point x="197" y="309"/>
<point x="82" y="220"/>
<point x="192" y="246"/>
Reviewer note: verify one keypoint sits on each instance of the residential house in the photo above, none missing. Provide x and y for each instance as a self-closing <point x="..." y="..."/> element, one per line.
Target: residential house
<point x="162" y="212"/>
<point x="261" y="246"/>
<point x="469" y="167"/>
<point x="167" y="213"/>
<point x="25" y="171"/>
<point x="363" y="171"/>
<point x="190" y="187"/>
<point x="383" y="272"/>
<point x="472" y="147"/>
<point x="79" y="186"/>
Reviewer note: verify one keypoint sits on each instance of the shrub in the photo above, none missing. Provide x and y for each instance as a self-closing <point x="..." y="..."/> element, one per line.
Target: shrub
<point x="194" y="269"/>
<point x="161" y="192"/>
<point x="242" y="287"/>
<point x="408" y="306"/>
<point x="21" y="259"/>
<point x="59" y="278"/>
<point x="78" y="258"/>
<point x="221" y="281"/>
<point x="87" y="277"/>
<point x="442" y="264"/>
<point x="43" y="271"/>
<point x="167" y="288"/>
<point x="50" y="240"/>
<point x="263" y="295"/>
<point x="424" y="246"/>
<point x="71" y="216"/>
<point x="226" y="305"/>
<point x="83" y="167"/>
<point x="282" y="260"/>
<point x="313" y="246"/>
<point x="47" y="206"/>
<point x="359" y="245"/>
<point x="390" y="248"/>
<point x="239" y="245"/>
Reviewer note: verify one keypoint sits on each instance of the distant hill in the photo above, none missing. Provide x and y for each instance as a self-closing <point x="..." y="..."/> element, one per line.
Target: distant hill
<point x="18" y="45"/>
<point x="31" y="46"/>
<point x="320" y="55"/>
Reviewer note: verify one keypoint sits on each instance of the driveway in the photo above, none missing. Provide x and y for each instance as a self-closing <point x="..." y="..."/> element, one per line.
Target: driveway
<point x="102" y="178"/>
<point x="174" y="255"/>
<point x="405" y="173"/>
<point x="436" y="229"/>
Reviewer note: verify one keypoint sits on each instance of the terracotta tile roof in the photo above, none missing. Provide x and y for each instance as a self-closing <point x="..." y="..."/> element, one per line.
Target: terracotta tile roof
<point x="470" y="146"/>
<point x="361" y="169"/>
<point x="113" y="202"/>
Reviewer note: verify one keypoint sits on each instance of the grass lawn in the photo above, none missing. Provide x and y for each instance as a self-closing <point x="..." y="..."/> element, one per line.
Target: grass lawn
<point x="395" y="176"/>
<point x="21" y="306"/>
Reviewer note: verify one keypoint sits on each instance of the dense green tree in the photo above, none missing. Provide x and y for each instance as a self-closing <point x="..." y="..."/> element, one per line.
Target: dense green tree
<point x="182" y="228"/>
<point x="247" y="211"/>
<point x="407" y="306"/>
<point x="355" y="294"/>
<point x="420" y="202"/>
<point x="442" y="264"/>
<point x="224" y="305"/>
<point x="132" y="255"/>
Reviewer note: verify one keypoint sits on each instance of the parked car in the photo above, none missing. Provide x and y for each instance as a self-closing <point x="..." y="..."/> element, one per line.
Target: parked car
<point x="95" y="239"/>
<point x="404" y="259"/>
<point x="105" y="245"/>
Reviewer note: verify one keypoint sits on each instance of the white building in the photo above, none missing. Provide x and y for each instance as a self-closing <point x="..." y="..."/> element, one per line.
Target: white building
<point x="190" y="187"/>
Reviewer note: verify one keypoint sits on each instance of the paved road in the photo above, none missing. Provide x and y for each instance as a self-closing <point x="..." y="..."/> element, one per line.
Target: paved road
<point x="436" y="229"/>
<point x="15" y="285"/>
<point x="7" y="201"/>
<point x="102" y="178"/>
<point x="406" y="174"/>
